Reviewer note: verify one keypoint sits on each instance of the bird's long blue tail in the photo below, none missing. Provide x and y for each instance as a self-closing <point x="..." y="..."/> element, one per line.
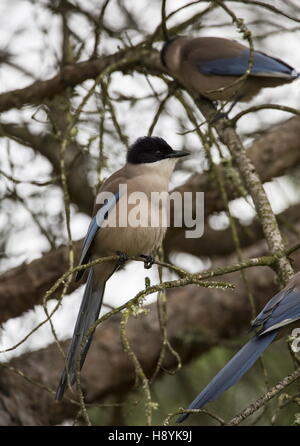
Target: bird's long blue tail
<point x="88" y="314"/>
<point x="232" y="372"/>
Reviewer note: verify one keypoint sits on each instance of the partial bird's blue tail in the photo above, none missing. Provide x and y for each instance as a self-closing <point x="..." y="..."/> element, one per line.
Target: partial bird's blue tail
<point x="232" y="372"/>
<point x="88" y="314"/>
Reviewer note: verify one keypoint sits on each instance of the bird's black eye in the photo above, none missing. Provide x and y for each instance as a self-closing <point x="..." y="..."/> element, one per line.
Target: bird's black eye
<point x="158" y="151"/>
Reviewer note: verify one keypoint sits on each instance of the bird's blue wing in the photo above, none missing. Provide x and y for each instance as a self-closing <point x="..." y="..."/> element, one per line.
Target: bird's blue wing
<point x="239" y="364"/>
<point x="94" y="227"/>
<point x="263" y="65"/>
<point x="281" y="310"/>
<point x="270" y="306"/>
<point x="285" y="310"/>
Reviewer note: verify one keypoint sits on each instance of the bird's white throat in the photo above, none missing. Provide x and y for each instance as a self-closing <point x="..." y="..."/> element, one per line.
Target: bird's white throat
<point x="162" y="168"/>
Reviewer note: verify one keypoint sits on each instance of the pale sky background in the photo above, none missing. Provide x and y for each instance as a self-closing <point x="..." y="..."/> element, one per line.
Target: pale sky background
<point x="37" y="52"/>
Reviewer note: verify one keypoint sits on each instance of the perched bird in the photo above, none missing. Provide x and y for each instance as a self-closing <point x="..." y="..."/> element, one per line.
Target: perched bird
<point x="150" y="163"/>
<point x="206" y="64"/>
<point x="272" y="322"/>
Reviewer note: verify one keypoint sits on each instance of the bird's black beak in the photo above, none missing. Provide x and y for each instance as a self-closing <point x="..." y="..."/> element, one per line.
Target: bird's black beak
<point x="178" y="154"/>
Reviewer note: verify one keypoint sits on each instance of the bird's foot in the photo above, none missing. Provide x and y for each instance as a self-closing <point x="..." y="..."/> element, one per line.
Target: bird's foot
<point x="123" y="257"/>
<point x="225" y="114"/>
<point x="148" y="262"/>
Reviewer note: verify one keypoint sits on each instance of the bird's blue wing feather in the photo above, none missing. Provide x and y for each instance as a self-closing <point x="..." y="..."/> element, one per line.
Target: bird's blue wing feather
<point x="87" y="316"/>
<point x="232" y="372"/>
<point x="94" y="227"/>
<point x="281" y="310"/>
<point x="268" y="309"/>
<point x="91" y="302"/>
<point x="236" y="66"/>
<point x="284" y="312"/>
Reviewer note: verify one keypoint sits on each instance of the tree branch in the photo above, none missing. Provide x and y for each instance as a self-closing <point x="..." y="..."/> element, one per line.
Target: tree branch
<point x="229" y="137"/>
<point x="23" y="287"/>
<point x="47" y="145"/>
<point x="69" y="76"/>
<point x="193" y="314"/>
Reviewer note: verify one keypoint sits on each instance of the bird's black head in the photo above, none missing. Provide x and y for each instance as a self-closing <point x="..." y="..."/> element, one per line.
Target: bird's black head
<point x="150" y="149"/>
<point x="165" y="47"/>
